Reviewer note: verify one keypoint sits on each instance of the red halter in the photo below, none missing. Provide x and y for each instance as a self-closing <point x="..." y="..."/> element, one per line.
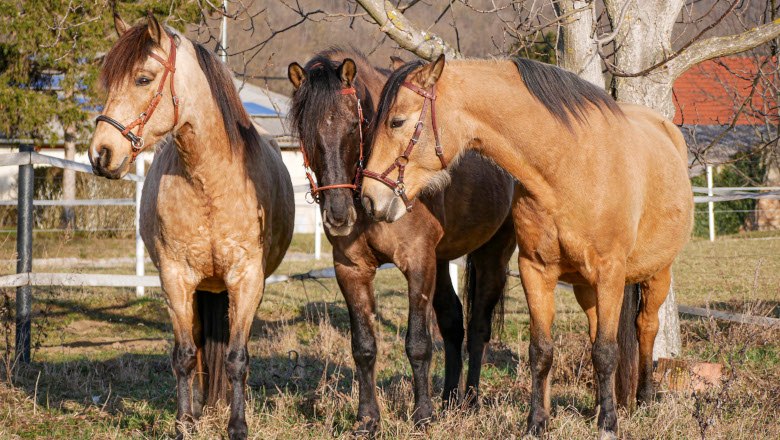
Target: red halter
<point x="136" y="140"/>
<point x="400" y="162"/>
<point x="313" y="194"/>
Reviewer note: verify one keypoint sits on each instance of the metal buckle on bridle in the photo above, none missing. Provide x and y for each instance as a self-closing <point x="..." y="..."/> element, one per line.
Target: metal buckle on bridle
<point x="311" y="198"/>
<point x="398" y="187"/>
<point x="137" y="144"/>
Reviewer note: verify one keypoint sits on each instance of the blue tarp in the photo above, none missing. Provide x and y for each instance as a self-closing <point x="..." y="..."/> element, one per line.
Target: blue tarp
<point x="255" y="109"/>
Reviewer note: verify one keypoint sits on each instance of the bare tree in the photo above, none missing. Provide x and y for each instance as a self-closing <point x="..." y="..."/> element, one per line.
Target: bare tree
<point x="643" y="64"/>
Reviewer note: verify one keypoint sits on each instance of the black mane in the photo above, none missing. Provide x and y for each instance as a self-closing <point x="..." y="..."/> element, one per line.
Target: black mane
<point x="563" y="93"/>
<point x="322" y="89"/>
<point x="390" y="91"/>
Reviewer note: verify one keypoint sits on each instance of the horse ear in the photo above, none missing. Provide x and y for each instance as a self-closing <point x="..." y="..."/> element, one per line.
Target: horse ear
<point x="396" y="62"/>
<point x="119" y="24"/>
<point x="296" y="74"/>
<point x="347" y="72"/>
<point x="155" y="30"/>
<point x="431" y="72"/>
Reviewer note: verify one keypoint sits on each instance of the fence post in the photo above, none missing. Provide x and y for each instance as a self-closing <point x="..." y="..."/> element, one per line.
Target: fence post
<point x="710" y="204"/>
<point x="139" y="244"/>
<point x="454" y="276"/>
<point x="24" y="226"/>
<point x="317" y="231"/>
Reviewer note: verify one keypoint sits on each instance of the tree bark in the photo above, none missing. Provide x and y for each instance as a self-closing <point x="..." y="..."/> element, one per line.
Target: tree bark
<point x="392" y="22"/>
<point x="577" y="46"/>
<point x="69" y="179"/>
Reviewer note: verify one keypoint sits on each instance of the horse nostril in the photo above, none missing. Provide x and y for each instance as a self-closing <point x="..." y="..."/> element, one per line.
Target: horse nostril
<point x="368" y="205"/>
<point x="104" y="157"/>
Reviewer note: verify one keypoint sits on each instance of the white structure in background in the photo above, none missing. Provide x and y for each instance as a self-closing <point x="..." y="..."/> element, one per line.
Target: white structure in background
<point x="269" y="112"/>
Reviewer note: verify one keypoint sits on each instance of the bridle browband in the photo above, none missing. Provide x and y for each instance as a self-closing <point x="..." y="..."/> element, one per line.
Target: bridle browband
<point x="401" y="161"/>
<point x="314" y="190"/>
<point x="136" y="140"/>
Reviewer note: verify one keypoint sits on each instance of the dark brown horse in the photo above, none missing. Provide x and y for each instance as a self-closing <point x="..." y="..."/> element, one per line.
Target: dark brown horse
<point x="217" y="207"/>
<point x="471" y="217"/>
<point x="605" y="198"/>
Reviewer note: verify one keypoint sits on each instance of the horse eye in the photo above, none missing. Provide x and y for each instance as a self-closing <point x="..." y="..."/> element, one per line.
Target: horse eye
<point x="143" y="81"/>
<point x="395" y="123"/>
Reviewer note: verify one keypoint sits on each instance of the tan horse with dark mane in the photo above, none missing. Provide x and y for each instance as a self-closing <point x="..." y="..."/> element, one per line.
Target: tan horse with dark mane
<point x="217" y="206"/>
<point x="606" y="199"/>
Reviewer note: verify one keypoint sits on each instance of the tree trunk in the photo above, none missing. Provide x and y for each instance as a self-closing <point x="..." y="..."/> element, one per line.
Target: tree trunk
<point x="577" y="48"/>
<point x="69" y="179"/>
<point x="644" y="35"/>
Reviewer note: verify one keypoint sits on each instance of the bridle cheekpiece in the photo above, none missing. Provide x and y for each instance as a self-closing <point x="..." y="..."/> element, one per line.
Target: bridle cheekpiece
<point x="136" y="140"/>
<point x="401" y="161"/>
<point x="313" y="196"/>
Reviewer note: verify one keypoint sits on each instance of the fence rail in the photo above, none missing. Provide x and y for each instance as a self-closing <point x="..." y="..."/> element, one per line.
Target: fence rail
<point x="25" y="279"/>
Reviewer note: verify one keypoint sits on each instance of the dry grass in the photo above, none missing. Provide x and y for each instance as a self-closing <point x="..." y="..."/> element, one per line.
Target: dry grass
<point x="101" y="368"/>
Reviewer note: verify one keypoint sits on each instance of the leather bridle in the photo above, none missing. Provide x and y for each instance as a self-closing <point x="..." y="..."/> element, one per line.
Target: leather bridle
<point x="136" y="140"/>
<point x="401" y="161"/>
<point x="313" y="196"/>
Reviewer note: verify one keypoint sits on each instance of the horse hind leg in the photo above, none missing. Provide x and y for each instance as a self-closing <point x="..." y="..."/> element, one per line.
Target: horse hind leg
<point x="654" y="293"/>
<point x="212" y="328"/>
<point x="449" y="316"/>
<point x="486" y="282"/>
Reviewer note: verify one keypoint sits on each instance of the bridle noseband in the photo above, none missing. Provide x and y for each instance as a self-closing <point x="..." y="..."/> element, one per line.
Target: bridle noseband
<point x="401" y="161"/>
<point x="136" y="140"/>
<point x="313" y="196"/>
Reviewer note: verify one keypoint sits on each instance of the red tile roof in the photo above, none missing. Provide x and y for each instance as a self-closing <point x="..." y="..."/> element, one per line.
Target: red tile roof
<point x="712" y="92"/>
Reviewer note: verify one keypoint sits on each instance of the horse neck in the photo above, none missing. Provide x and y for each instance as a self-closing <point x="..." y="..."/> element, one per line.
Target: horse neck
<point x="492" y="111"/>
<point x="204" y="147"/>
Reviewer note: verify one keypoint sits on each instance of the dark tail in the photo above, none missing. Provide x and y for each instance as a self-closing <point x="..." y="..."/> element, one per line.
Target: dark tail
<point x="215" y="330"/>
<point x="470" y="290"/>
<point x="627" y="372"/>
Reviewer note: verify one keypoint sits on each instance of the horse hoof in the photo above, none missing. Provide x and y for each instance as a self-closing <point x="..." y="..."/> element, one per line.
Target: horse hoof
<point x="237" y="431"/>
<point x="607" y="435"/>
<point x="422" y="420"/>
<point x="366" y="428"/>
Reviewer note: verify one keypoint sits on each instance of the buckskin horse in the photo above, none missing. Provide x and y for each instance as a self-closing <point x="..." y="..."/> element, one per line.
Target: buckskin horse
<point x="605" y="198"/>
<point x="335" y="97"/>
<point x="217" y="206"/>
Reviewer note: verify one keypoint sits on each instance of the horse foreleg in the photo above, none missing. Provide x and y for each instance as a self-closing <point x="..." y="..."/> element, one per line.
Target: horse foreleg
<point x="449" y="316"/>
<point x="421" y="279"/>
<point x="245" y="296"/>
<point x="356" y="283"/>
<point x="654" y="293"/>
<point x="539" y="286"/>
<point x="182" y="309"/>
<point x="609" y="300"/>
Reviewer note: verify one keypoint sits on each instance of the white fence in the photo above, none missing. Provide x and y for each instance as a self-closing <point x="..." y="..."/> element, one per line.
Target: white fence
<point x="140" y="280"/>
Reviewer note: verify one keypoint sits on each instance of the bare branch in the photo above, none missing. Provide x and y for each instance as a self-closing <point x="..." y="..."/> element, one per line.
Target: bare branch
<point x="719" y="46"/>
<point x="393" y="23"/>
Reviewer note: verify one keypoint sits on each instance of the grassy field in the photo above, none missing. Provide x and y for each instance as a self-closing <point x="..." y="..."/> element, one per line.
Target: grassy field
<point x="101" y="358"/>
